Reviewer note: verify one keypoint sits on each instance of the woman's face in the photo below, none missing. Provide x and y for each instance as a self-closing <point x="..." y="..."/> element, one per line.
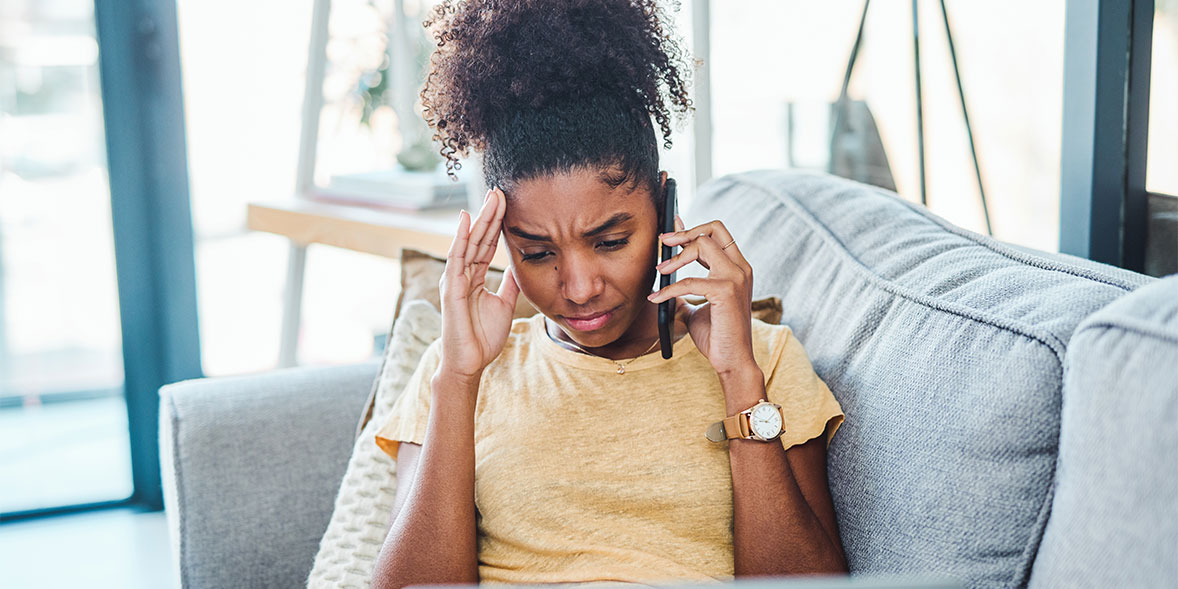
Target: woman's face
<point x="580" y="248"/>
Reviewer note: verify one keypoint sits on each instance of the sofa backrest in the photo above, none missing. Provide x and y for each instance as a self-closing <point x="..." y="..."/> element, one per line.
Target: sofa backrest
<point x="1114" y="518"/>
<point x="945" y="349"/>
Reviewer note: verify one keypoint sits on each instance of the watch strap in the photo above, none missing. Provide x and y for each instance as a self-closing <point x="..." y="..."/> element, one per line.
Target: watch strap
<point x="731" y="428"/>
<point x="737" y="426"/>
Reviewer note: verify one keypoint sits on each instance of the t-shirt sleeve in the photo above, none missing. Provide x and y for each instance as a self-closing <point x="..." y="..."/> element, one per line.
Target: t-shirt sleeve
<point x="810" y="408"/>
<point x="407" y="419"/>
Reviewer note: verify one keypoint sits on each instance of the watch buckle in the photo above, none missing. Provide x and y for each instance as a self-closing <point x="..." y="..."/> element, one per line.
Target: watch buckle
<point x="716" y="432"/>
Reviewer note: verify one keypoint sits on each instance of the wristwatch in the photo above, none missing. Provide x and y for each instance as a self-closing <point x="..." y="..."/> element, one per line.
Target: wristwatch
<point x="763" y="422"/>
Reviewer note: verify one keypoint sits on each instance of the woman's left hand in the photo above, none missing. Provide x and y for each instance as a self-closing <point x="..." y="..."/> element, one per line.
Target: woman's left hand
<point x="722" y="327"/>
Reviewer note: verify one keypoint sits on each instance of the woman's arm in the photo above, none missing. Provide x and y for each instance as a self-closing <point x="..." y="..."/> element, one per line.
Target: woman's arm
<point x="432" y="538"/>
<point x="783" y="520"/>
<point x="407" y="455"/>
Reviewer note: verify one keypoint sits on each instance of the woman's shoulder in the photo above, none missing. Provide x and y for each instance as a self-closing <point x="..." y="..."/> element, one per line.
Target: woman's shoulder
<point x="522" y="331"/>
<point x="769" y="331"/>
<point x="523" y="326"/>
<point x="769" y="342"/>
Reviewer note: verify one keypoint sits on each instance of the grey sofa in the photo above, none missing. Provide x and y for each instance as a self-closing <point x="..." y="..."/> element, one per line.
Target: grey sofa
<point x="1010" y="413"/>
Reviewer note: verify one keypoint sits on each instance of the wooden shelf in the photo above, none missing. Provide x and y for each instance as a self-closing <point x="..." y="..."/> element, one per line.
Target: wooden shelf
<point x="372" y="230"/>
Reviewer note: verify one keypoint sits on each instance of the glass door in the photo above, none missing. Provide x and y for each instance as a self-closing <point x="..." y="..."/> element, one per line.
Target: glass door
<point x="63" y="414"/>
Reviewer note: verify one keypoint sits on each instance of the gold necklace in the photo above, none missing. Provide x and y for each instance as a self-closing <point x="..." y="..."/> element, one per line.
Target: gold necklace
<point x="621" y="365"/>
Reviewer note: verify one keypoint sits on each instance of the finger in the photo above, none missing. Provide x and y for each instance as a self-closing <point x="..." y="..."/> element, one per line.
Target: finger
<point x="716" y="229"/>
<point x="705" y="287"/>
<point x="687" y="254"/>
<point x="486" y="251"/>
<point x="735" y="269"/>
<point x="455" y="258"/>
<point x="479" y="230"/>
<point x="707" y="252"/>
<point x="508" y="289"/>
<point x="683" y="309"/>
<point x="719" y="233"/>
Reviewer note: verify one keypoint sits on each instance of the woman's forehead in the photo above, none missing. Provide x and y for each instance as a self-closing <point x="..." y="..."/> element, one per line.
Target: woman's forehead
<point x="573" y="206"/>
<point x="582" y="227"/>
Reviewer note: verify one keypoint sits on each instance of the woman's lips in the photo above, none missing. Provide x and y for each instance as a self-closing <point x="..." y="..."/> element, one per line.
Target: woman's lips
<point x="591" y="324"/>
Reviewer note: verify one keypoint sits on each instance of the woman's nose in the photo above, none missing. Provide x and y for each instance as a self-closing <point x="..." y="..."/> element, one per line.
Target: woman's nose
<point x="580" y="279"/>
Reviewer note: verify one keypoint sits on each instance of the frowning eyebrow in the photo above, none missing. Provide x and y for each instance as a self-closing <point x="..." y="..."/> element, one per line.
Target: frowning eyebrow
<point x="617" y="219"/>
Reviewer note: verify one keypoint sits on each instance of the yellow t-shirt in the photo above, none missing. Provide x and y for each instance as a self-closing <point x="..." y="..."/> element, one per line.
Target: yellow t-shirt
<point x="584" y="475"/>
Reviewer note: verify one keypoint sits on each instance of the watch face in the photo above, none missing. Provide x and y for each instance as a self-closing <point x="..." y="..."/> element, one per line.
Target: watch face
<point x="765" y="421"/>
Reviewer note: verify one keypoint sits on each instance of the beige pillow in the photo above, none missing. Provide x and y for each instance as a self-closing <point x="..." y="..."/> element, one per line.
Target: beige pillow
<point x="348" y="549"/>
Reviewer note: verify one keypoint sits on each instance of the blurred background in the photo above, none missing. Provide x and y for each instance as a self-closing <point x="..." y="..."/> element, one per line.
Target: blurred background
<point x="775" y="68"/>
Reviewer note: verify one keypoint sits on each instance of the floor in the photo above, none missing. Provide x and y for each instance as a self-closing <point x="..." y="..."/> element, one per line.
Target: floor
<point x="117" y="548"/>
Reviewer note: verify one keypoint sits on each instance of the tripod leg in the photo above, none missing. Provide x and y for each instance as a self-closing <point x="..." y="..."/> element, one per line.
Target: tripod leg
<point x="919" y="100"/>
<point x="965" y="115"/>
<point x="841" y="106"/>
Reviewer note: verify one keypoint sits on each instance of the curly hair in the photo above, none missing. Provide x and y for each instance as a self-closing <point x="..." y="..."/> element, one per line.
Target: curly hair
<point x="540" y="86"/>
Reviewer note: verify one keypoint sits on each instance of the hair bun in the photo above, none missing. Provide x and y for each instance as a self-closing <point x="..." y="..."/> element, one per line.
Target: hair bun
<point x="497" y="57"/>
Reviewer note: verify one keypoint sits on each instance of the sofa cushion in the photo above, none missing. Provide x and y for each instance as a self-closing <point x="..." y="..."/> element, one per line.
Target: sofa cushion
<point x="1113" y="520"/>
<point x="945" y="349"/>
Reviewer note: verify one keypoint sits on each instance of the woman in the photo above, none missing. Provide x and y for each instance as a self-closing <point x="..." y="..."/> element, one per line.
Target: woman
<point x="563" y="448"/>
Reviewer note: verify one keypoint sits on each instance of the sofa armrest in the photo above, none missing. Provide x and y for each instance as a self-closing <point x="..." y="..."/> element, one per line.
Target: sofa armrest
<point x="1113" y="517"/>
<point x="251" y="465"/>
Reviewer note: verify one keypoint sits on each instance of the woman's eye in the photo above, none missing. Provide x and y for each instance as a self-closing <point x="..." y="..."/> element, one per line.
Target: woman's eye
<point x="607" y="245"/>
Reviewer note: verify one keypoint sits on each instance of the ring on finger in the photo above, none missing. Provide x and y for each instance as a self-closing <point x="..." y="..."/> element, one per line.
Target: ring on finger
<point x="729" y="243"/>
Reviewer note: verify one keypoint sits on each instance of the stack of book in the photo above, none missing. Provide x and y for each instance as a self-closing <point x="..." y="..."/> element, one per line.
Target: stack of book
<point x="396" y="188"/>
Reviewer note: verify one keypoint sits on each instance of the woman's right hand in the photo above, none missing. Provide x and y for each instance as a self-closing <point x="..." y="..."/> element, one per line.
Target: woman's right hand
<point x="475" y="321"/>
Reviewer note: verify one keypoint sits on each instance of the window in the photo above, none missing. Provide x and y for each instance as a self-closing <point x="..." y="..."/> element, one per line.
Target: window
<point x="243" y="95"/>
<point x="1162" y="158"/>
<point x="769" y="56"/>
<point x="63" y="413"/>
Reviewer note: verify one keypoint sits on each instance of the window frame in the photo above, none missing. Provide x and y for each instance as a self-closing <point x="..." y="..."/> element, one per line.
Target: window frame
<point x="1103" y="197"/>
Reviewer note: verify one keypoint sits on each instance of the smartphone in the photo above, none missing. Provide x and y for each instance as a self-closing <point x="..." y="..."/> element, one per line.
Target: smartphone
<point x="667" y="307"/>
